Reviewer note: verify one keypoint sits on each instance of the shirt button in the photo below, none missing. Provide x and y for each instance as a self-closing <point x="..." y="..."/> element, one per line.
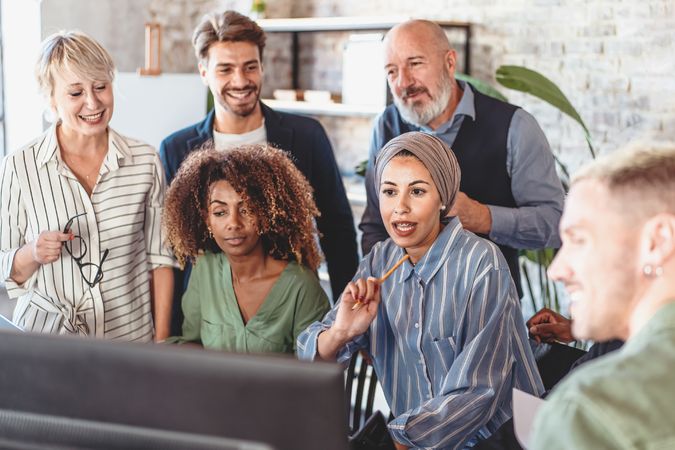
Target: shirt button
<point x="417" y="325"/>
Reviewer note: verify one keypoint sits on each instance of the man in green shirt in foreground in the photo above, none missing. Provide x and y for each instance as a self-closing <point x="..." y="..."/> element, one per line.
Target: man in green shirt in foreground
<point x="618" y="265"/>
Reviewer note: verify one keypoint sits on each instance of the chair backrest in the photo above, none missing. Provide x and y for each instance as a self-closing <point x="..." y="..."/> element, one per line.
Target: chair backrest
<point x="362" y="395"/>
<point x="554" y="361"/>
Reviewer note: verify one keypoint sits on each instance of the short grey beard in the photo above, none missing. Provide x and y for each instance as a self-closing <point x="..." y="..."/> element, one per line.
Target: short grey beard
<point x="433" y="110"/>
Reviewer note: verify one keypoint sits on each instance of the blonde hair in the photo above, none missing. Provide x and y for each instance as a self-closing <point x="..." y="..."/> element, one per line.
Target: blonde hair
<point x="74" y="51"/>
<point x="640" y="178"/>
<point x="228" y="26"/>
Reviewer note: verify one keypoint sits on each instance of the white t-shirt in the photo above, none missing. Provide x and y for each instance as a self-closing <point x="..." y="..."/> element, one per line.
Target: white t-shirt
<point x="224" y="141"/>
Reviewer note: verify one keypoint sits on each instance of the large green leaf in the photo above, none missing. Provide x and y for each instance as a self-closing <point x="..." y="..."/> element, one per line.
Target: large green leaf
<point x="360" y="168"/>
<point x="542" y="256"/>
<point x="481" y="86"/>
<point x="527" y="80"/>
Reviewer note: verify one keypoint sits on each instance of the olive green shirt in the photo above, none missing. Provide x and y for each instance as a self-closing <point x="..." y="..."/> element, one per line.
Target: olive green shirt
<point x="625" y="400"/>
<point x="212" y="313"/>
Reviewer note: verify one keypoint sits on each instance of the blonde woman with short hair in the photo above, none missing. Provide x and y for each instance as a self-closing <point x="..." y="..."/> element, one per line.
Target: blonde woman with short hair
<point x="80" y="210"/>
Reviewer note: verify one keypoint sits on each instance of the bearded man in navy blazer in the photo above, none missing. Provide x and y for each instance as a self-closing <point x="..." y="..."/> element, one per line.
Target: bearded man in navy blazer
<point x="229" y="48"/>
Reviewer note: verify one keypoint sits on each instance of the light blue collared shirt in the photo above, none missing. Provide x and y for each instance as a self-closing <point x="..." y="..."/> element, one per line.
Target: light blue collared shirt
<point x="535" y="185"/>
<point x="448" y="343"/>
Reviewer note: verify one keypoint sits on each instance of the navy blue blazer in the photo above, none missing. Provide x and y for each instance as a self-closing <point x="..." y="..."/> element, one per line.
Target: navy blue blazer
<point x="305" y="140"/>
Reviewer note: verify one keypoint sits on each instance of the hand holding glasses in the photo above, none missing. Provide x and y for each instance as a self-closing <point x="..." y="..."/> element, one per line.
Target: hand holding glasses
<point x="47" y="247"/>
<point x="77" y="249"/>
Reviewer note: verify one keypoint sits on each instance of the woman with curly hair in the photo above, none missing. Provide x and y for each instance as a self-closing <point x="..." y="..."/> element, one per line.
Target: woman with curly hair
<point x="245" y="218"/>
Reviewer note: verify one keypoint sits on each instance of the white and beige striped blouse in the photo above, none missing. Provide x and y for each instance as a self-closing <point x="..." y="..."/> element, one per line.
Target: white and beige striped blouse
<point x="39" y="193"/>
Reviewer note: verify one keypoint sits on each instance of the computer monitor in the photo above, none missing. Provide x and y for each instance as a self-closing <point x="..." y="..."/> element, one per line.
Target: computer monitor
<point x="281" y="402"/>
<point x="23" y="431"/>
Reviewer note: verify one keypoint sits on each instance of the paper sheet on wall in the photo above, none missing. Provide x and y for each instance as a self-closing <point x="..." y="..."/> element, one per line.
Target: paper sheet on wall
<point x="151" y="108"/>
<point x="525" y="407"/>
<point x="363" y="78"/>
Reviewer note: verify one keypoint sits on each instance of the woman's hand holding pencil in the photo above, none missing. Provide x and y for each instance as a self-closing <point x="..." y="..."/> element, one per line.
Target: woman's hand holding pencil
<point x="357" y="310"/>
<point x="380" y="280"/>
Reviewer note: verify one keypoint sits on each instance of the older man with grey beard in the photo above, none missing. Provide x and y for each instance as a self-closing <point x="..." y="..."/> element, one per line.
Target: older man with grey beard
<point x="510" y="192"/>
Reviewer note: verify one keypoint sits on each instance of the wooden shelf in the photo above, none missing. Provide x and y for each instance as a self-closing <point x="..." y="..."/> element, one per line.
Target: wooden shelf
<point x="296" y="26"/>
<point x="343" y="23"/>
<point x="326" y="109"/>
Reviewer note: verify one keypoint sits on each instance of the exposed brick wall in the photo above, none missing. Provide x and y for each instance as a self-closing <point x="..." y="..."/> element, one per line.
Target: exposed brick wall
<point x="614" y="60"/>
<point x="178" y="19"/>
<point x="116" y="24"/>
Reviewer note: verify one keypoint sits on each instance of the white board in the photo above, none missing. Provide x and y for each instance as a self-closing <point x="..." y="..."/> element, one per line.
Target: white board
<point x="151" y="108"/>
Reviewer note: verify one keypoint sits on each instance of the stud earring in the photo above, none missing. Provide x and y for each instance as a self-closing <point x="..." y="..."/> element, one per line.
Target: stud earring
<point x="210" y="233"/>
<point x="652" y="271"/>
<point x="443" y="208"/>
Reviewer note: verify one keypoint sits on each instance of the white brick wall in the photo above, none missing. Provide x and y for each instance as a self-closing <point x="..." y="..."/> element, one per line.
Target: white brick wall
<point x="613" y="58"/>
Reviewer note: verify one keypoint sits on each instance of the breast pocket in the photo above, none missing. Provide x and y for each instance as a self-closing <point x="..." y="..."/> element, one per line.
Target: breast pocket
<point x="445" y="348"/>
<point x="218" y="336"/>
<point x="256" y="343"/>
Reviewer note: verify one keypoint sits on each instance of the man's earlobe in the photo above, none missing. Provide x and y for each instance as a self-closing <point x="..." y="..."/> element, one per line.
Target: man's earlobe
<point x="450" y="60"/>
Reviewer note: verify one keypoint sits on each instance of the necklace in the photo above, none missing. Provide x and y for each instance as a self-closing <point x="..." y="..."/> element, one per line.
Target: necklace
<point x="71" y="164"/>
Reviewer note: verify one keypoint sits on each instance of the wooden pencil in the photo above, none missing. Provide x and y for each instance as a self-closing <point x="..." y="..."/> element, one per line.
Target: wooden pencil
<point x="380" y="280"/>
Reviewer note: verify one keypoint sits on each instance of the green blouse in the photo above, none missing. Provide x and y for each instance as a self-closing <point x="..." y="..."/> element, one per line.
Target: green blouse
<point x="212" y="314"/>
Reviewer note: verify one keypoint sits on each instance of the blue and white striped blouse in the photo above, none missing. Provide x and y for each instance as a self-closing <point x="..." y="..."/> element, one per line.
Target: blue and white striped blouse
<point x="448" y="343"/>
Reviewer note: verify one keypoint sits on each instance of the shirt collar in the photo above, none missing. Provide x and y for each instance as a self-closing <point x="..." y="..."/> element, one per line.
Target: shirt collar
<point x="118" y="150"/>
<point x="47" y="150"/>
<point x="465" y="107"/>
<point x="427" y="267"/>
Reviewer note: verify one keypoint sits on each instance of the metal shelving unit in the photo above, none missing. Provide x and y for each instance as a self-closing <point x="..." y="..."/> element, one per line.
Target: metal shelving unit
<point x="342" y="24"/>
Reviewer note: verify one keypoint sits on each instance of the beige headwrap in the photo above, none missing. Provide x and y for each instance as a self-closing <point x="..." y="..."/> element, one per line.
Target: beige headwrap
<point x="436" y="156"/>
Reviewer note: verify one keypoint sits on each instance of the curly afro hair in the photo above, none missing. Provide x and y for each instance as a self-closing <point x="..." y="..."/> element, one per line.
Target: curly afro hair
<point x="274" y="190"/>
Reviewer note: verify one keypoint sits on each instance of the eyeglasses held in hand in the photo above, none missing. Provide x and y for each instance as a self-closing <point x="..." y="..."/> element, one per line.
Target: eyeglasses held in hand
<point x="77" y="249"/>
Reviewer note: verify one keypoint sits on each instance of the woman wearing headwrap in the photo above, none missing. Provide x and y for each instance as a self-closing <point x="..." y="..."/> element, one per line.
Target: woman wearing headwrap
<point x="444" y="331"/>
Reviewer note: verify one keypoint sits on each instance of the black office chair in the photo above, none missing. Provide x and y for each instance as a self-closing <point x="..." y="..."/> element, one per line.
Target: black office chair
<point x="363" y="394"/>
<point x="554" y="361"/>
